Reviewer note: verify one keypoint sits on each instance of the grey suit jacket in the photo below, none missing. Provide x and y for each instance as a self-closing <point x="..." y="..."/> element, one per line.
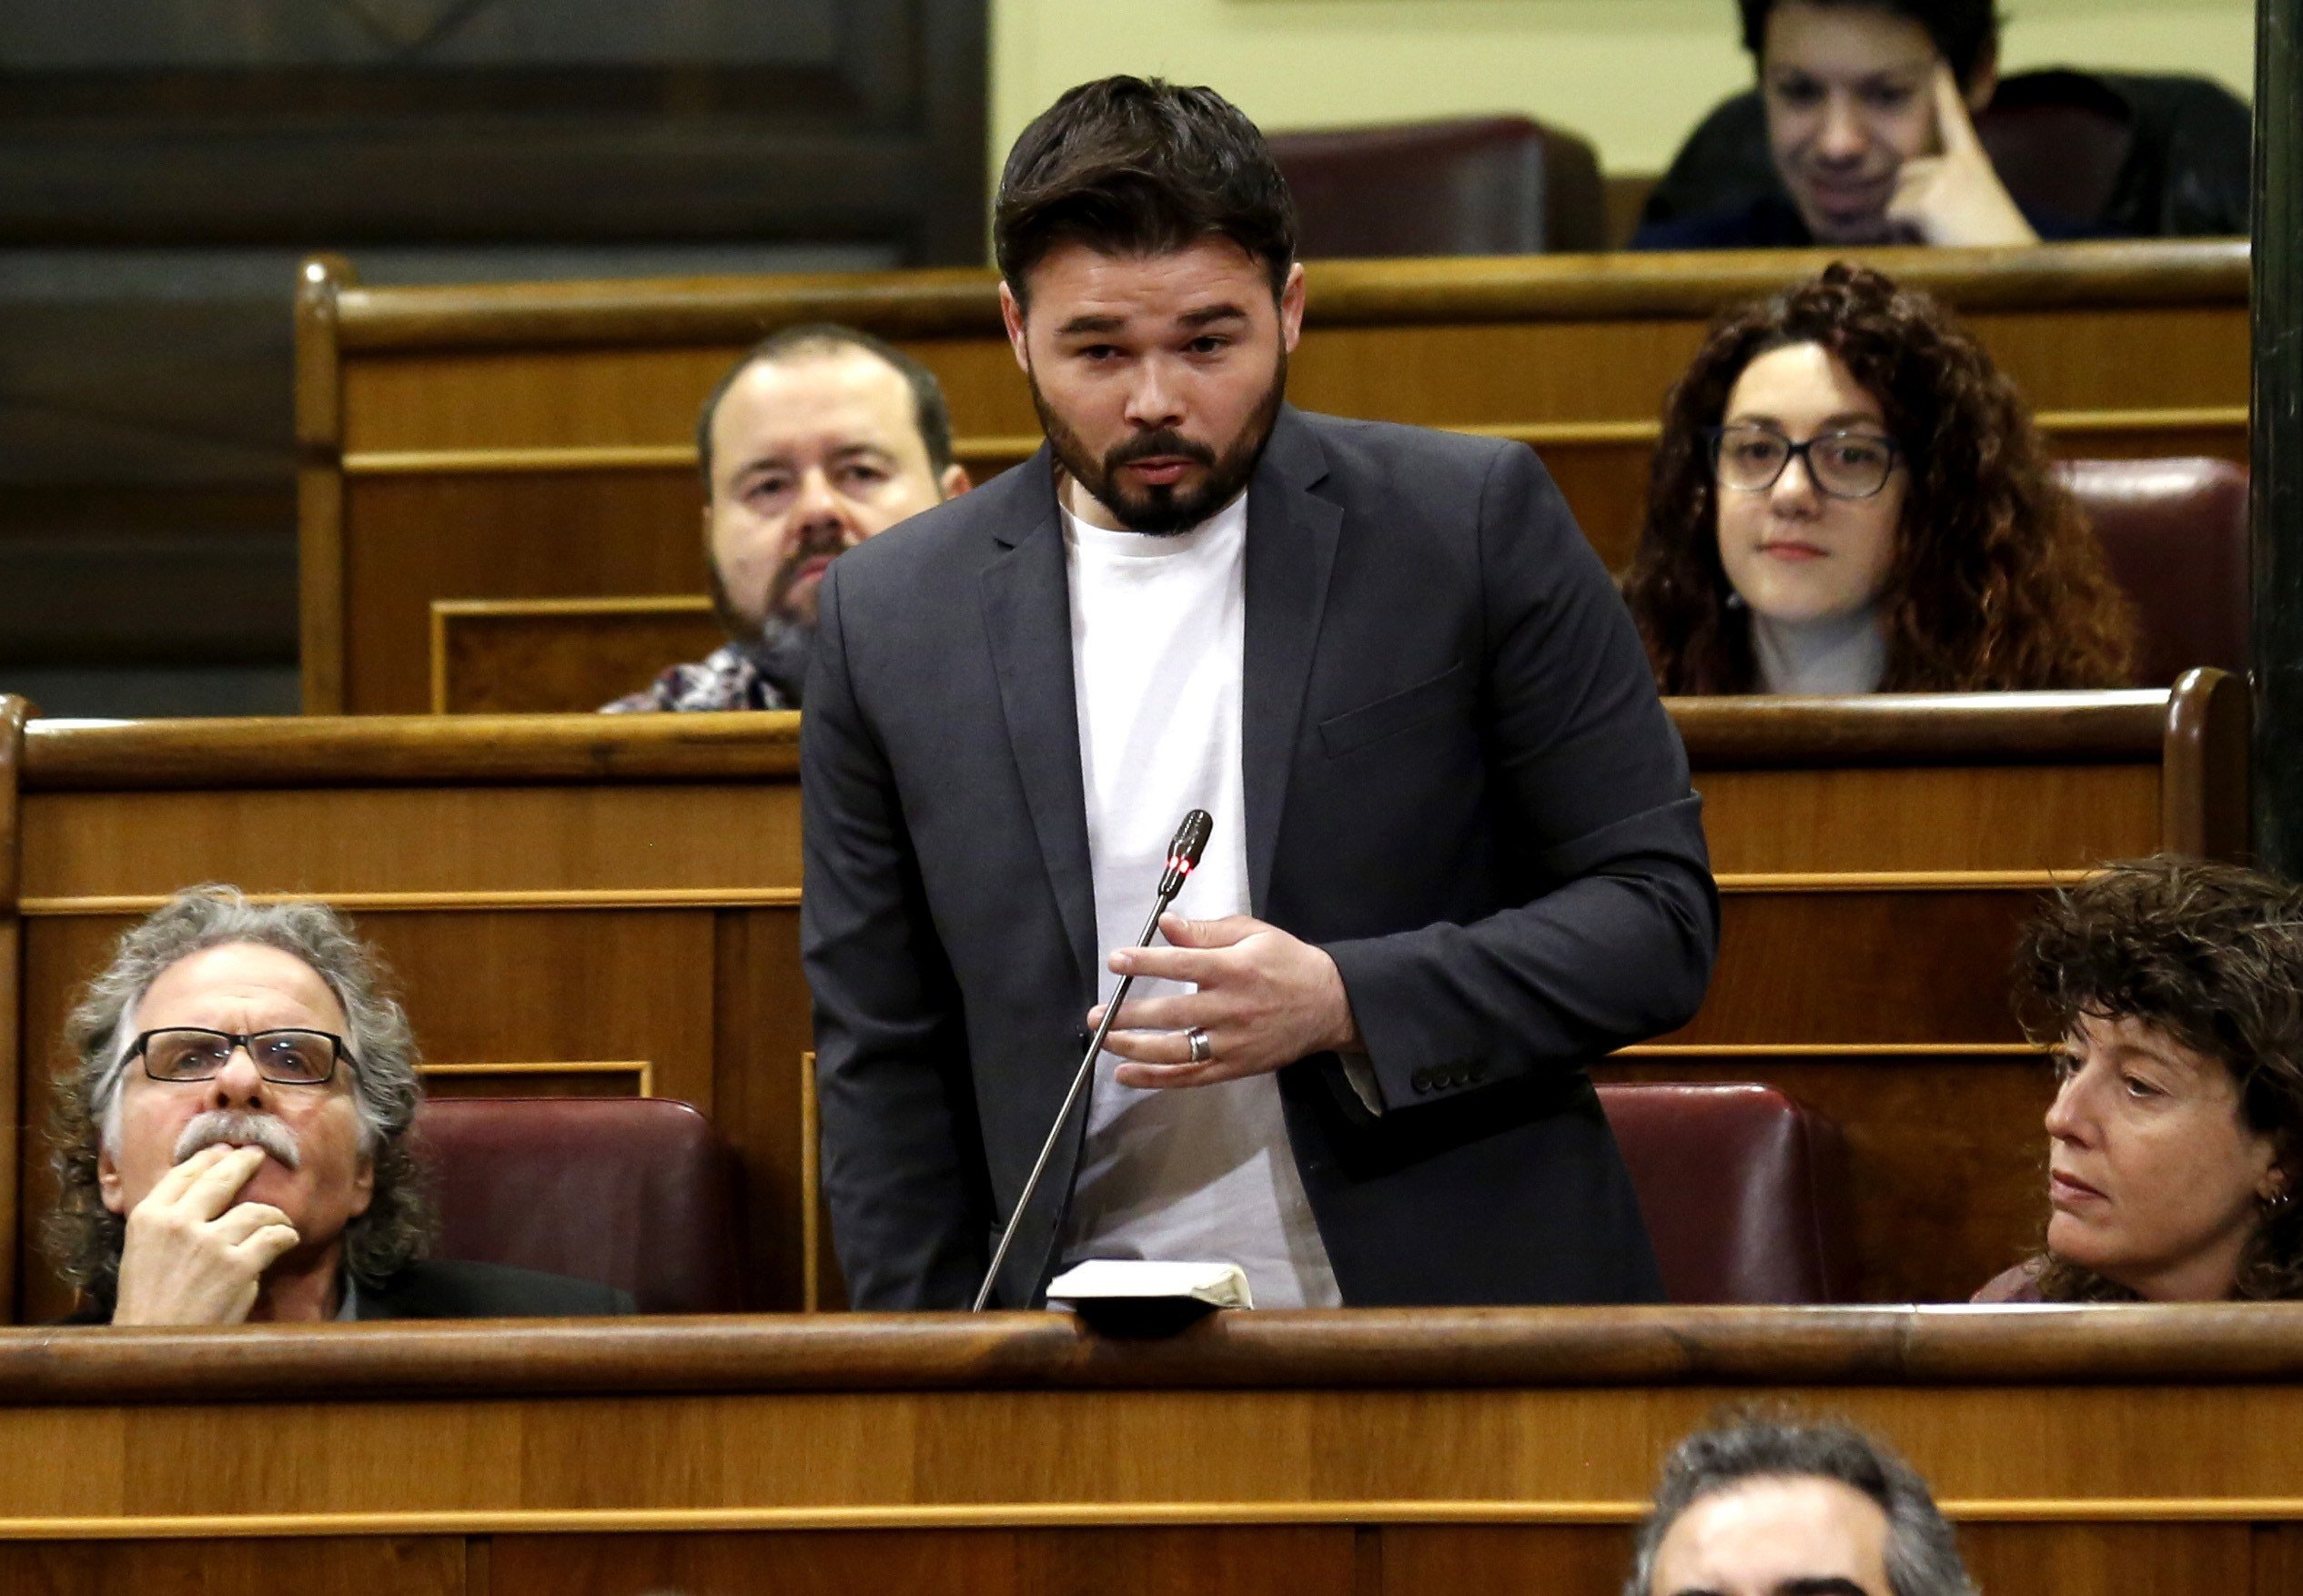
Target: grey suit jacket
<point x="1459" y="781"/>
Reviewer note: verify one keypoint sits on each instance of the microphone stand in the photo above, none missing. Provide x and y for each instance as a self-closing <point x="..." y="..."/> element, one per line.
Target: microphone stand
<point x="1183" y="857"/>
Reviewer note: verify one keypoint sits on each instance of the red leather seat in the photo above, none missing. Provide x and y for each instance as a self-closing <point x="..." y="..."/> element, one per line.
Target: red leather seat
<point x="2175" y="533"/>
<point x="1744" y="1191"/>
<point x="634" y="1192"/>
<point x="1470" y="186"/>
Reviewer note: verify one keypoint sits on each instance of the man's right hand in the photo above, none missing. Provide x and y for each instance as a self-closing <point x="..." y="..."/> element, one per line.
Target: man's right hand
<point x="193" y="1255"/>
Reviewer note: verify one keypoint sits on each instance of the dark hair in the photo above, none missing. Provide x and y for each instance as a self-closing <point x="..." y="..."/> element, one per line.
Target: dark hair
<point x="1965" y="31"/>
<point x="1922" y="1555"/>
<point x="1130" y="165"/>
<point x="1997" y="583"/>
<point x="929" y="412"/>
<point x="82" y="1235"/>
<point x="2212" y="956"/>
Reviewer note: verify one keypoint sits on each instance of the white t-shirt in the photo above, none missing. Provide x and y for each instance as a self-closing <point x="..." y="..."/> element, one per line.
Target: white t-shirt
<point x="1159" y="641"/>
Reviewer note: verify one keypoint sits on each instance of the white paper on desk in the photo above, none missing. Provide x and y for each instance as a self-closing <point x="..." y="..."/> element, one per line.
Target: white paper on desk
<point x="1113" y="1279"/>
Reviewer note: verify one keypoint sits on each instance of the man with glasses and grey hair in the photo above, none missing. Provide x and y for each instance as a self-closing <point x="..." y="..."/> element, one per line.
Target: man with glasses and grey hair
<point x="232" y="1145"/>
<point x="1770" y="1508"/>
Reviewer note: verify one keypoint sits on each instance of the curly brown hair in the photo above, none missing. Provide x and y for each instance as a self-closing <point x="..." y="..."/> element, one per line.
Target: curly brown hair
<point x="2211" y="955"/>
<point x="1997" y="582"/>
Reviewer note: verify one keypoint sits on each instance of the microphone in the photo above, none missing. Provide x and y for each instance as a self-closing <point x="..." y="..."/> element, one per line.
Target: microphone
<point x="1183" y="858"/>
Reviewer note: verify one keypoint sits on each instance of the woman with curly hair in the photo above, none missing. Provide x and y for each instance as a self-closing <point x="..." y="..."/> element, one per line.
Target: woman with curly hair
<point x="2172" y="991"/>
<point x="1849" y="497"/>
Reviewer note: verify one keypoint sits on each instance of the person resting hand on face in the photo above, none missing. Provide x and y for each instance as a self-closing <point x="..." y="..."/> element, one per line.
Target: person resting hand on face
<point x="232" y="1145"/>
<point x="2172" y="990"/>
<point x="1870" y="129"/>
<point x="1849" y="497"/>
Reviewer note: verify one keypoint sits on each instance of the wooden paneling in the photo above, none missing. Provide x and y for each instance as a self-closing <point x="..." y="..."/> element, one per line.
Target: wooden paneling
<point x="624" y="890"/>
<point x="2114" y="1560"/>
<point x="1496" y="1560"/>
<point x="470" y="842"/>
<point x="371" y="1566"/>
<point x="1289" y="1561"/>
<point x="532" y="440"/>
<point x="1951" y="819"/>
<point x="510" y="656"/>
<point x="1381" y="1453"/>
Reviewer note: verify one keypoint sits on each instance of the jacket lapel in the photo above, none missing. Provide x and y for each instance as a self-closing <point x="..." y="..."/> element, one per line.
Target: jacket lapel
<point x="1027" y="616"/>
<point x="1291" y="552"/>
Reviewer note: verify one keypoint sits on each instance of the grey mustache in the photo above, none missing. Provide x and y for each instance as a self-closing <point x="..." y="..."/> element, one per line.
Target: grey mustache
<point x="240" y="1125"/>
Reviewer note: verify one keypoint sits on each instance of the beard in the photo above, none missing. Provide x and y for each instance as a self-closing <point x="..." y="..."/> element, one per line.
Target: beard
<point x="778" y="646"/>
<point x="1162" y="508"/>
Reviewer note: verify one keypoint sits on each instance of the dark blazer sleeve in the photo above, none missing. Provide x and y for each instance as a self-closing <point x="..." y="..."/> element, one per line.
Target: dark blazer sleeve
<point x="903" y="1162"/>
<point x="1616" y="939"/>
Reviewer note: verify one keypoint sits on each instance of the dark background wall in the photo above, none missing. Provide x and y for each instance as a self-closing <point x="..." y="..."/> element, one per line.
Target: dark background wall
<point x="163" y="164"/>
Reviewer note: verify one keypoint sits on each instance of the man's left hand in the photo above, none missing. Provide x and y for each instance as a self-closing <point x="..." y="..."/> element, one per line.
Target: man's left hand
<point x="1957" y="196"/>
<point x="1265" y="1000"/>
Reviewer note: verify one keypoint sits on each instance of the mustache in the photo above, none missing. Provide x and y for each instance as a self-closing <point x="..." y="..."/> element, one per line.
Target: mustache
<point x="1155" y="445"/>
<point x="244" y="1128"/>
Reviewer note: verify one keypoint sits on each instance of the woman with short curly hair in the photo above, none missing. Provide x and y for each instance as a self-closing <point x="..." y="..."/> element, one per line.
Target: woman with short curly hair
<point x="1849" y="497"/>
<point x="2172" y="994"/>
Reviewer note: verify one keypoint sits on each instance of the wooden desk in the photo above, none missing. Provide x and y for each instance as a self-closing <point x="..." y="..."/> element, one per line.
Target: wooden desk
<point x="1496" y="1453"/>
<point x="532" y="440"/>
<point x="557" y="891"/>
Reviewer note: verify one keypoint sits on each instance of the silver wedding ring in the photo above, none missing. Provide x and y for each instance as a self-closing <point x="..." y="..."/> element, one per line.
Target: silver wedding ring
<point x="1200" y="1051"/>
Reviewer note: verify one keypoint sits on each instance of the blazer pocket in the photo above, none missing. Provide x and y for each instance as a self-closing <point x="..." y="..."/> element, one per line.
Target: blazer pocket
<point x="1354" y="728"/>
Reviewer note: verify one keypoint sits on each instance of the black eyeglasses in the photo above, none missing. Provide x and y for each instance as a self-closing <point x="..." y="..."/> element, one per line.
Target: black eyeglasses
<point x="1845" y="465"/>
<point x="286" y="1058"/>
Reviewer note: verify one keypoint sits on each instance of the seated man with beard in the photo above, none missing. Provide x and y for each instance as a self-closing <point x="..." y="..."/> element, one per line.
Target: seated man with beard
<point x="818" y="437"/>
<point x="233" y="1143"/>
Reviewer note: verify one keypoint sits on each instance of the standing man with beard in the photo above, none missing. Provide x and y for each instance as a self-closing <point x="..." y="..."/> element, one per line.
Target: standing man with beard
<point x="818" y="437"/>
<point x="1455" y="855"/>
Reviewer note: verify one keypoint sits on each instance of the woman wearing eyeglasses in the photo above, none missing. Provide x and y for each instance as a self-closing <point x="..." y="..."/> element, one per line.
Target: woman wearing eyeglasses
<point x="1850" y="498"/>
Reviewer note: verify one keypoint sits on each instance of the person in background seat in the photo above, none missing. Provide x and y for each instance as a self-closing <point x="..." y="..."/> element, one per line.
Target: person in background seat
<point x="1849" y="497"/>
<point x="1762" y="1507"/>
<point x="1869" y="129"/>
<point x="233" y="1143"/>
<point x="2172" y="992"/>
<point x="818" y="437"/>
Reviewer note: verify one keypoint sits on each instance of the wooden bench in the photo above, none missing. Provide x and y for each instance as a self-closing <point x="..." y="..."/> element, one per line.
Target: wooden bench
<point x="615" y="900"/>
<point x="534" y="440"/>
<point x="2082" y="1451"/>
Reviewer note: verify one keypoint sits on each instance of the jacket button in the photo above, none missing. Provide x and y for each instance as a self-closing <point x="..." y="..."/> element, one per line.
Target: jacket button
<point x="1420" y="1080"/>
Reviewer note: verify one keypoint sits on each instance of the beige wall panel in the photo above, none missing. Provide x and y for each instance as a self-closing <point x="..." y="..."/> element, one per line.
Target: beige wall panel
<point x="1632" y="76"/>
<point x="474" y="841"/>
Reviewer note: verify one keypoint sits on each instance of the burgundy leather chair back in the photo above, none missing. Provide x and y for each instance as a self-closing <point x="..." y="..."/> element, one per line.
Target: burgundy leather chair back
<point x="2060" y="141"/>
<point x="2175" y="534"/>
<point x="634" y="1192"/>
<point x="1471" y="186"/>
<point x="1744" y="1191"/>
